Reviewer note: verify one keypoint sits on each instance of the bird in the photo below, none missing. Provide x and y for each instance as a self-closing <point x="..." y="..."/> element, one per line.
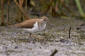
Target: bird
<point x="33" y="25"/>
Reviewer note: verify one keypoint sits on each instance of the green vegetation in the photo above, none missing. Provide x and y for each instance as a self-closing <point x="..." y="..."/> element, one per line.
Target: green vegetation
<point x="80" y="8"/>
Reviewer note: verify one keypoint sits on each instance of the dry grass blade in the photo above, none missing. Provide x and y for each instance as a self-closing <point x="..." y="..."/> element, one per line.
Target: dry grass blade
<point x="21" y="9"/>
<point x="2" y="12"/>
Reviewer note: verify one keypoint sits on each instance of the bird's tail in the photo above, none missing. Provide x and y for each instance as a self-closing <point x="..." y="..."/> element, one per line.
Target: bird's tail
<point x="15" y="25"/>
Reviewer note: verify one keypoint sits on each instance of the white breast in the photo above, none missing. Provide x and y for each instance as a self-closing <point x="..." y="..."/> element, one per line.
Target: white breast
<point x="36" y="28"/>
<point x="42" y="26"/>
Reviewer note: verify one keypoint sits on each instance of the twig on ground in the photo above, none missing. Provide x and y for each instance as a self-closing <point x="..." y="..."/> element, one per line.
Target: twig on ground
<point x="69" y="32"/>
<point x="54" y="52"/>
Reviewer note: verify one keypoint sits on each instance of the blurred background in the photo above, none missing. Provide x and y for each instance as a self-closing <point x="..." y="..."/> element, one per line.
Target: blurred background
<point x="12" y="11"/>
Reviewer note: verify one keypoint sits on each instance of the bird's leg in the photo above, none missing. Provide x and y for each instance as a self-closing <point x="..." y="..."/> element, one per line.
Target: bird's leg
<point x="30" y="37"/>
<point x="44" y="31"/>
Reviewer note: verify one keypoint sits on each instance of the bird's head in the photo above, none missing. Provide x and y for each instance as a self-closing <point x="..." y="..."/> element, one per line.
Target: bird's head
<point x="45" y="19"/>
